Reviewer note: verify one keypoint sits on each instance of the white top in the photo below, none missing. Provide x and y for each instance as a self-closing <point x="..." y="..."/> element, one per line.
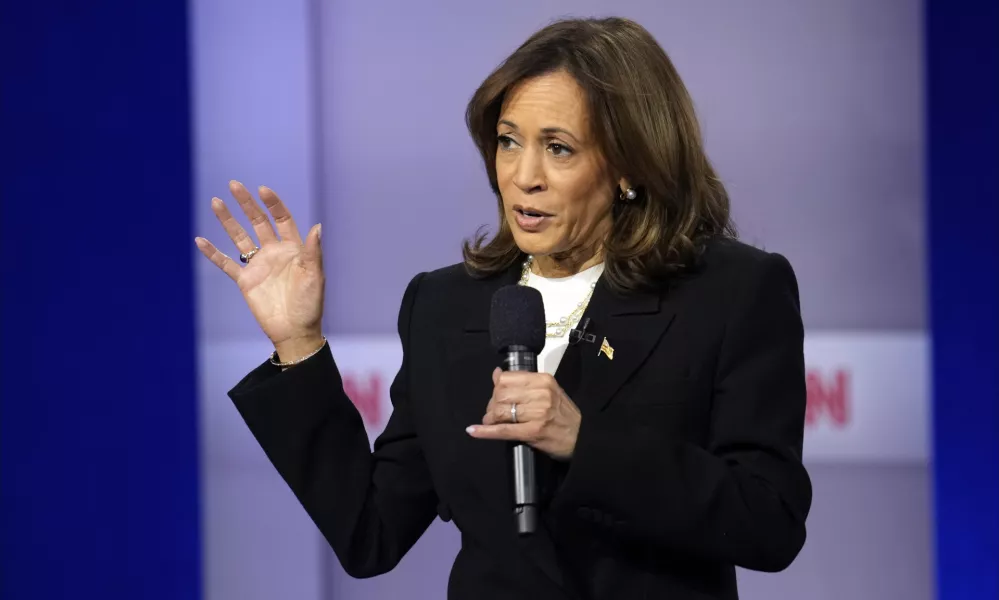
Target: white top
<point x="561" y="296"/>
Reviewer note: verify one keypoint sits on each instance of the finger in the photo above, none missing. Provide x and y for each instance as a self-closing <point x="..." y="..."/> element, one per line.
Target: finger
<point x="282" y="216"/>
<point x="504" y="397"/>
<point x="496" y="374"/>
<point x="244" y="243"/>
<point x="258" y="220"/>
<point x="529" y="409"/>
<point x="220" y="260"/>
<point x="521" y="379"/>
<point x="313" y="251"/>
<point x="523" y="432"/>
<point x="503" y="414"/>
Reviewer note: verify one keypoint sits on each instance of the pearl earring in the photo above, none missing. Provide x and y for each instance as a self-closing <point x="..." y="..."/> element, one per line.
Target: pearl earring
<point x="629" y="194"/>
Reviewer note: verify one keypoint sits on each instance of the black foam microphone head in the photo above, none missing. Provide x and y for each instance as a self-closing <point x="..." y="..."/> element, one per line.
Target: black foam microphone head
<point x="517" y="318"/>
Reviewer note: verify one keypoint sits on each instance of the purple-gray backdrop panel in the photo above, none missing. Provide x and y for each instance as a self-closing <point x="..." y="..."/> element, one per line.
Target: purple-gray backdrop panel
<point x="812" y="113"/>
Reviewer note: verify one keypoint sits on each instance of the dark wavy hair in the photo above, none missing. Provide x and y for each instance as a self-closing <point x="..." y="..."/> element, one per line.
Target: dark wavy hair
<point x="646" y="127"/>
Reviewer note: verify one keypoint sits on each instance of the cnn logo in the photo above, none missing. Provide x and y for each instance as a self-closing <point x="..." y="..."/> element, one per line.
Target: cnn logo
<point x="828" y="397"/>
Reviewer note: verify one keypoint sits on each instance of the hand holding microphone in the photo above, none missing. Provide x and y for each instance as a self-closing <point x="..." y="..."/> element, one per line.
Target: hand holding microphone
<point x="526" y="406"/>
<point x="547" y="419"/>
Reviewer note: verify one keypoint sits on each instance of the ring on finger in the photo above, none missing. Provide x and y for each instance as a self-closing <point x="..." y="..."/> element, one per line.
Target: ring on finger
<point x="513" y="413"/>
<point x="245" y="257"/>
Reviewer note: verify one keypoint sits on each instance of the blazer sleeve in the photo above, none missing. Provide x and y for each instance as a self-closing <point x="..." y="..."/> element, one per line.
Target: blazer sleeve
<point x="744" y="497"/>
<point x="370" y="506"/>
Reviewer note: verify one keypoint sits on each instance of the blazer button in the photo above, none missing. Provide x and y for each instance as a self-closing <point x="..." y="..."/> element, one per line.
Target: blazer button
<point x="585" y="514"/>
<point x="444" y="512"/>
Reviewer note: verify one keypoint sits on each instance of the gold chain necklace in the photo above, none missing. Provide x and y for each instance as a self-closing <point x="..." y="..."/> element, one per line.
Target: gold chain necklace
<point x="567" y="322"/>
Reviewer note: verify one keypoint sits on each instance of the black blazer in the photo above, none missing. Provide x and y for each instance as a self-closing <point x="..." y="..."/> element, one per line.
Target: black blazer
<point x="687" y="463"/>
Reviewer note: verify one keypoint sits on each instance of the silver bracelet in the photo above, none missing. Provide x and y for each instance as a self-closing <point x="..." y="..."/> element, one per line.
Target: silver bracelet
<point x="274" y="356"/>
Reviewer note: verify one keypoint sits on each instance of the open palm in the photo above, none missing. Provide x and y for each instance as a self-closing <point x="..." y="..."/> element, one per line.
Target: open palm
<point x="283" y="280"/>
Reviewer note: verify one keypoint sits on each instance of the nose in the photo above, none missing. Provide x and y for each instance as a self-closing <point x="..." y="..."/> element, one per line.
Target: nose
<point x="529" y="175"/>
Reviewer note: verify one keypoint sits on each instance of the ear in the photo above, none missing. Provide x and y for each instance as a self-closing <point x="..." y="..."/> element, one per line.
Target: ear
<point x="623" y="185"/>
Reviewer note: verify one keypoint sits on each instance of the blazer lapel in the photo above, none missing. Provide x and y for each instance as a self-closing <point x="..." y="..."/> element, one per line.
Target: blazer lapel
<point x="624" y="330"/>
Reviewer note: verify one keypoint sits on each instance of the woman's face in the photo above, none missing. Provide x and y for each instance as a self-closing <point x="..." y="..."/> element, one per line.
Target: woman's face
<point x="557" y="192"/>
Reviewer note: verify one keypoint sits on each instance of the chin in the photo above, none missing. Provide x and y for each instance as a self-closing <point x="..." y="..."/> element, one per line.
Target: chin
<point x="533" y="244"/>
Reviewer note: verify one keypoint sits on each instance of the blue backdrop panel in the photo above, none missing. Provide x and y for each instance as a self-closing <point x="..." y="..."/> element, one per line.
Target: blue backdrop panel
<point x="98" y="444"/>
<point x="963" y="56"/>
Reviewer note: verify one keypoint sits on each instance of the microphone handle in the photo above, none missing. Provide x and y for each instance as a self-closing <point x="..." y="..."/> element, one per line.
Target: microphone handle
<point x="525" y="485"/>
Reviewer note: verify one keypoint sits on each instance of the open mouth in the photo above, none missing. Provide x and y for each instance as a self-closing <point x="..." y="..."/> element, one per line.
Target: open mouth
<point x="531" y="212"/>
<point x="530" y="219"/>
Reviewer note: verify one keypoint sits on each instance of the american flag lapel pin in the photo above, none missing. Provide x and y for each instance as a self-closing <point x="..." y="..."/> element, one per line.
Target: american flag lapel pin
<point x="606" y="349"/>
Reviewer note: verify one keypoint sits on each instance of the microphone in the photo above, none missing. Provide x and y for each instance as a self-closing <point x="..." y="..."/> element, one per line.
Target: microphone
<point x="580" y="335"/>
<point x="517" y="331"/>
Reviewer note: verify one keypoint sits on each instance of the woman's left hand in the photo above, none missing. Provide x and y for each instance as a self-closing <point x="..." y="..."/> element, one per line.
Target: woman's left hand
<point x="546" y="418"/>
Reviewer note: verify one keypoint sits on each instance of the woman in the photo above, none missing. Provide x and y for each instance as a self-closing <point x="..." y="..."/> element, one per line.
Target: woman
<point x="669" y="449"/>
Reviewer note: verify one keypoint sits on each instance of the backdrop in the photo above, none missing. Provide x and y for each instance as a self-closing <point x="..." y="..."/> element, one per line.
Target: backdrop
<point x="812" y="113"/>
<point x="99" y="490"/>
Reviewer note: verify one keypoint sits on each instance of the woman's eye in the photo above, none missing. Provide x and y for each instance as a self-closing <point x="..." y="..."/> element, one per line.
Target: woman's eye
<point x="505" y="142"/>
<point x="559" y="150"/>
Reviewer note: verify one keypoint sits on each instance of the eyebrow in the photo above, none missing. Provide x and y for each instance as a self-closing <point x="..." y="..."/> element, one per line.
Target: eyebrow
<point x="546" y="130"/>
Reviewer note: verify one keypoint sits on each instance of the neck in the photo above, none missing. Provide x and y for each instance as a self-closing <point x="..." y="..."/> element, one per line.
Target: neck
<point x="559" y="265"/>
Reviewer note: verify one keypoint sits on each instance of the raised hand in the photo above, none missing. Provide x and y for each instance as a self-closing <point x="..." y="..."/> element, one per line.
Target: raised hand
<point x="283" y="282"/>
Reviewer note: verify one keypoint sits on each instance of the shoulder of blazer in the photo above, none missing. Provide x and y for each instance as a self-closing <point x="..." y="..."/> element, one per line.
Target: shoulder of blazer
<point x="452" y="295"/>
<point x="728" y="262"/>
<point x="728" y="256"/>
<point x="727" y="271"/>
<point x="450" y="277"/>
<point x="449" y="285"/>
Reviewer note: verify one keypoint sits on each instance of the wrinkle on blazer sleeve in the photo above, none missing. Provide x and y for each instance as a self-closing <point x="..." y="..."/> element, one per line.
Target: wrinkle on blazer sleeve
<point x="742" y="499"/>
<point x="371" y="506"/>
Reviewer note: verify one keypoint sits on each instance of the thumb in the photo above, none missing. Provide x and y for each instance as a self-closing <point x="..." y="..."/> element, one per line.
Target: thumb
<point x="313" y="249"/>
